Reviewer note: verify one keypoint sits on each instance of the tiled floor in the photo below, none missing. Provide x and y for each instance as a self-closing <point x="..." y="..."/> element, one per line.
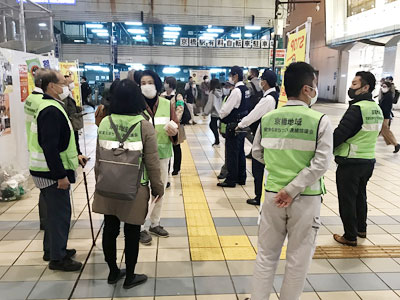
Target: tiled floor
<point x="179" y="268"/>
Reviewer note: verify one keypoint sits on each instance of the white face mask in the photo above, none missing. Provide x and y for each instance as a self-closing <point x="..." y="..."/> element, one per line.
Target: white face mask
<point x="71" y="86"/>
<point x="315" y="98"/>
<point x="230" y="80"/>
<point x="385" y="90"/>
<point x="149" y="91"/>
<point x="166" y="87"/>
<point x="225" y="91"/>
<point x="207" y="80"/>
<point x="193" y="85"/>
<point x="64" y="94"/>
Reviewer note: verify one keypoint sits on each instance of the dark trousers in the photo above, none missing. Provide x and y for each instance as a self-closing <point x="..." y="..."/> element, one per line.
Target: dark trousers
<point x="58" y="209"/>
<point x="235" y="158"/>
<point x="177" y="157"/>
<point x="214" y="128"/>
<point x="224" y="169"/>
<point x="351" y="181"/>
<point x="110" y="234"/>
<point x="257" y="169"/>
<point x="42" y="211"/>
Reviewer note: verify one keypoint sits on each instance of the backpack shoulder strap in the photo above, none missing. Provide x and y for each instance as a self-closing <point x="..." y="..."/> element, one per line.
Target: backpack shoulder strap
<point x="125" y="137"/>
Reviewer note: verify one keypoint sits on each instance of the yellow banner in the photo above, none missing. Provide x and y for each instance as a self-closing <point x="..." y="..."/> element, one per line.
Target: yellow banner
<point x="296" y="51"/>
<point x="71" y="69"/>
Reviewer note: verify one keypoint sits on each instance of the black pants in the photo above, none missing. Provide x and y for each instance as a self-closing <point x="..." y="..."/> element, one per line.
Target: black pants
<point x="110" y="234"/>
<point x="235" y="157"/>
<point x="257" y="169"/>
<point x="214" y="128"/>
<point x="351" y="181"/>
<point x="177" y="157"/>
<point x="58" y="208"/>
<point x="42" y="211"/>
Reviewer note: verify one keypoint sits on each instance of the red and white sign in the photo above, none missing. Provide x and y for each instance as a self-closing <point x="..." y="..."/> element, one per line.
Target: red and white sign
<point x="23" y="81"/>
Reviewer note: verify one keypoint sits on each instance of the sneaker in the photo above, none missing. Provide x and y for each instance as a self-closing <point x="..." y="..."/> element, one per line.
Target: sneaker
<point x="66" y="265"/>
<point x="145" y="238"/>
<point x="70" y="253"/>
<point x="114" y="278"/>
<point x="159" y="231"/>
<point x="137" y="279"/>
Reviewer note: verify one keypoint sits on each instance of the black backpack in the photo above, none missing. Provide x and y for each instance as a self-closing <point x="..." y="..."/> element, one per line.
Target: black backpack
<point x="186" y="117"/>
<point x="255" y="98"/>
<point x="396" y="96"/>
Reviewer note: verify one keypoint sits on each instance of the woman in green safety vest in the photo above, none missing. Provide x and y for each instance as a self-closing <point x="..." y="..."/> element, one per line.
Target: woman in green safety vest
<point x="127" y="106"/>
<point x="161" y="113"/>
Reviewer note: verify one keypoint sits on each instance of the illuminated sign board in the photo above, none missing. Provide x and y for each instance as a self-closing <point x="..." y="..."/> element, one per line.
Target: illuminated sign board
<point x="68" y="2"/>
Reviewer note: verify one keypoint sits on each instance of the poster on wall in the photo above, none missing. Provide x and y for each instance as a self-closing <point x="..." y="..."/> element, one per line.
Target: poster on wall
<point x="23" y="81"/>
<point x="5" y="90"/>
<point x="199" y="74"/>
<point x="33" y="65"/>
<point x="71" y="69"/>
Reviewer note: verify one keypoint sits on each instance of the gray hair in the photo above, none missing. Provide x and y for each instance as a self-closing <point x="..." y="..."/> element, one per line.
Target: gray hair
<point x="39" y="76"/>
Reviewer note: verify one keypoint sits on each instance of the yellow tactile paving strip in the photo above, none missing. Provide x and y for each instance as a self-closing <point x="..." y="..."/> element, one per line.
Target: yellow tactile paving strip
<point x="357" y="252"/>
<point x="205" y="244"/>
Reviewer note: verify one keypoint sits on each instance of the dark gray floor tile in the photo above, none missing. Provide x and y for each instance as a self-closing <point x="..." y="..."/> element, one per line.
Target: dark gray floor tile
<point x="93" y="289"/>
<point x="15" y="290"/>
<point x="213" y="285"/>
<point x="143" y="290"/>
<point x="331" y="220"/>
<point x="251" y="230"/>
<point x="174" y="286"/>
<point x="243" y="284"/>
<point x="222" y="222"/>
<point x="173" y="222"/>
<point x="383" y="220"/>
<point x="28" y="225"/>
<point x="249" y="221"/>
<point x="52" y="290"/>
<point x="328" y="283"/>
<point x="391" y="279"/>
<point x="230" y="230"/>
<point x="279" y="280"/>
<point x="365" y="282"/>
<point x="21" y="234"/>
<point x="7" y="225"/>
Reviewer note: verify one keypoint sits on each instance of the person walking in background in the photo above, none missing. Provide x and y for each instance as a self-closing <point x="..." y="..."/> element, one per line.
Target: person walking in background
<point x="161" y="113"/>
<point x="268" y="102"/>
<point x="190" y="96"/>
<point x="354" y="143"/>
<point x="295" y="142"/>
<point x="86" y="92"/>
<point x="386" y="104"/>
<point x="126" y="108"/>
<point x="213" y="107"/>
<point x="205" y="91"/>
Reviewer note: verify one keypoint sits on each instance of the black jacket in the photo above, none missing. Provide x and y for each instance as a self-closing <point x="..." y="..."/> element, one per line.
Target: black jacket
<point x="53" y="134"/>
<point x="190" y="98"/>
<point x="386" y="105"/>
<point x="349" y="126"/>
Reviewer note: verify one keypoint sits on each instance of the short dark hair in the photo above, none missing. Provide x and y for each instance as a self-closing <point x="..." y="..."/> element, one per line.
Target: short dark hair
<point x="215" y="84"/>
<point x="255" y="72"/>
<point x="171" y="82"/>
<point x="48" y="77"/>
<point x="137" y="75"/>
<point x="205" y="77"/>
<point x="126" y="98"/>
<point x="297" y="75"/>
<point x="157" y="80"/>
<point x="388" y="84"/>
<point x="367" y="78"/>
<point x="236" y="70"/>
<point x="389" y="78"/>
<point x="84" y="78"/>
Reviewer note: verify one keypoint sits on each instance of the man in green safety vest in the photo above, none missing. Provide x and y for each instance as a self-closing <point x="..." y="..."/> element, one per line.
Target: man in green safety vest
<point x="295" y="142"/>
<point x="53" y="159"/>
<point x="354" y="143"/>
<point x="161" y="113"/>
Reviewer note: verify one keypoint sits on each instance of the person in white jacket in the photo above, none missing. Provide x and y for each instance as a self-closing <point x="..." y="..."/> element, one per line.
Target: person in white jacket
<point x="213" y="107"/>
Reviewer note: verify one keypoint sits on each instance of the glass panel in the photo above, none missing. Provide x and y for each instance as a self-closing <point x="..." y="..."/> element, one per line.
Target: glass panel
<point x="358" y="6"/>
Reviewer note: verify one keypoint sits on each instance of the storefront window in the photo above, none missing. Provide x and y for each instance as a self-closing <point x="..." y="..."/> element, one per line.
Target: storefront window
<point x="358" y="6"/>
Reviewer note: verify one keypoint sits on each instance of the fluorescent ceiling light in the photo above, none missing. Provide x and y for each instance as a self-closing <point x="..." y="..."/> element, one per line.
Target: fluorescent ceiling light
<point x="79" y="41"/>
<point x="94" y="26"/>
<point x="252" y="27"/>
<point x="140" y="38"/>
<point x="116" y="70"/>
<point x="171" y="33"/>
<point x="206" y="38"/>
<point x="136" y="31"/>
<point x="134" y="23"/>
<point x="214" y="71"/>
<point x="248" y="35"/>
<point x="210" y="34"/>
<point x="218" y="30"/>
<point x="136" y="66"/>
<point x="102" y="34"/>
<point x="264" y="37"/>
<point x="170" y="28"/>
<point x="169" y="43"/>
<point x="42" y="25"/>
<point x="99" y="30"/>
<point x="236" y="35"/>
<point x="97" y="68"/>
<point x="170" y="70"/>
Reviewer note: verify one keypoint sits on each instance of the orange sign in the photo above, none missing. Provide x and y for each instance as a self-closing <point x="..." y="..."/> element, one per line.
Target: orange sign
<point x="23" y="81"/>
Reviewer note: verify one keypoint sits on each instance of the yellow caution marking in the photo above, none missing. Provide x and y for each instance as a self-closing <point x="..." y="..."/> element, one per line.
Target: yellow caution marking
<point x="204" y="242"/>
<point x="201" y="231"/>
<point x="239" y="253"/>
<point x="235" y="241"/>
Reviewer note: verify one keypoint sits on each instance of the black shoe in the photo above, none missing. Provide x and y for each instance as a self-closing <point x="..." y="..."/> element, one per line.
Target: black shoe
<point x="249" y="156"/>
<point x="42" y="227"/>
<point x="254" y="201"/>
<point x="174" y="173"/>
<point x="241" y="182"/>
<point x="168" y="185"/>
<point x="220" y="176"/>
<point x="137" y="279"/>
<point x="396" y="148"/>
<point x="114" y="278"/>
<point x="226" y="184"/>
<point x="66" y="265"/>
<point x="70" y="253"/>
<point x="362" y="235"/>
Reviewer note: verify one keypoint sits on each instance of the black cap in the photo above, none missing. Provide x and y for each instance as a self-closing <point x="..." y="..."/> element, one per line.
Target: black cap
<point x="270" y="77"/>
<point x="236" y="70"/>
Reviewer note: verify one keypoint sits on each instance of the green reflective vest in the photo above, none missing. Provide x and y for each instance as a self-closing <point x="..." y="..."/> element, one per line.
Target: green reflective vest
<point x="222" y="128"/>
<point x="37" y="160"/>
<point x="31" y="106"/>
<point x="160" y="119"/>
<point x="362" y="145"/>
<point x="289" y="138"/>
<point x="108" y="140"/>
